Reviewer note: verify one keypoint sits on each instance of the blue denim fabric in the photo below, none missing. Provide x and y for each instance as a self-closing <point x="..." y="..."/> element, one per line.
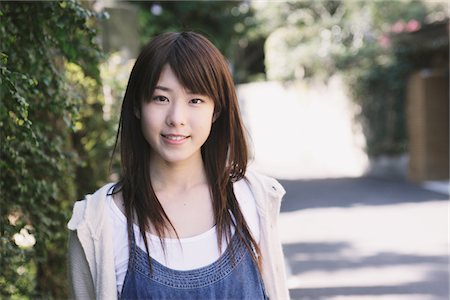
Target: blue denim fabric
<point x="226" y="278"/>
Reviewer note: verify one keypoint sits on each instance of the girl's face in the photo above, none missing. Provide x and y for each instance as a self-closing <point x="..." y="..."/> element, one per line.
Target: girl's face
<point x="175" y="122"/>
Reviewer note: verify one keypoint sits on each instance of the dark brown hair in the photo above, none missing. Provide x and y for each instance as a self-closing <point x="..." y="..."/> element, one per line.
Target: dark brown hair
<point x="202" y="69"/>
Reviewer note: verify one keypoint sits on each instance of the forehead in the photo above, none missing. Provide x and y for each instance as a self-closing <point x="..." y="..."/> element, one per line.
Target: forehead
<point x="168" y="78"/>
<point x="169" y="82"/>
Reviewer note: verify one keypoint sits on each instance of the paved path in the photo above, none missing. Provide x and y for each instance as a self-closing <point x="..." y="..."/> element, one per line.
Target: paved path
<point x="345" y="238"/>
<point x="365" y="238"/>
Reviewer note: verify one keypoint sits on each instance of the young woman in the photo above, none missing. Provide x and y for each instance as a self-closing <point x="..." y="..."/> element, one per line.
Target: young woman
<point x="187" y="220"/>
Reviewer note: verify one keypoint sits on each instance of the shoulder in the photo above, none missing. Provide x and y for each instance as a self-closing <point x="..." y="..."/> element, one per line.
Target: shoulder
<point x="89" y="210"/>
<point x="264" y="185"/>
<point x="267" y="192"/>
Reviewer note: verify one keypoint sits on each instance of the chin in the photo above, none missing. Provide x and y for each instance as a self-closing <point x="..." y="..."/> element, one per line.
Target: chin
<point x="173" y="159"/>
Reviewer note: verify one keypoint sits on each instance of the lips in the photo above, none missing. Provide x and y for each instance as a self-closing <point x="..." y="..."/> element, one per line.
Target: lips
<point x="174" y="138"/>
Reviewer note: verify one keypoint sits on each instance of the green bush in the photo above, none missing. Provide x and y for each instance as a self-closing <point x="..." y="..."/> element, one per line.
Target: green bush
<point x="377" y="72"/>
<point x="38" y="160"/>
<point x="380" y="91"/>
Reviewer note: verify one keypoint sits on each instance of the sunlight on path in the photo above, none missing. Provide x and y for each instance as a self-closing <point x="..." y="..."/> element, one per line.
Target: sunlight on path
<point x="368" y="246"/>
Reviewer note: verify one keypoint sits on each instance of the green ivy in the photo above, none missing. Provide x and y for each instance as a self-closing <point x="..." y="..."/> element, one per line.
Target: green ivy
<point x="37" y="158"/>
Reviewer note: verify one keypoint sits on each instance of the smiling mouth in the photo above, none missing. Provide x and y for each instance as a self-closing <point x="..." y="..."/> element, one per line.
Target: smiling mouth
<point x="174" y="137"/>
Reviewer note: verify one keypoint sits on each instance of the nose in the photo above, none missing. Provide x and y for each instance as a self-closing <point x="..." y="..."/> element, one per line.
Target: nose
<point x="176" y="115"/>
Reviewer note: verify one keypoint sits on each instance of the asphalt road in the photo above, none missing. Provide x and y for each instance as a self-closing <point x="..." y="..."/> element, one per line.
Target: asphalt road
<point x="365" y="238"/>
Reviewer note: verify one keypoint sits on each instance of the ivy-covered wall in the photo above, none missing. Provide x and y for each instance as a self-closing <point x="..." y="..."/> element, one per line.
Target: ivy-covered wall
<point x="40" y="105"/>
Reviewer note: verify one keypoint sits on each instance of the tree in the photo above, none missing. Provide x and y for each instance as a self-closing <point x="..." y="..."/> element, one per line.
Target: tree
<point x="226" y="23"/>
<point x="316" y="39"/>
<point x="377" y="71"/>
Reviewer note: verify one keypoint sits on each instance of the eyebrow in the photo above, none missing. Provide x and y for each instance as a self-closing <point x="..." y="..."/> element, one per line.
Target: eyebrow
<point x="166" y="89"/>
<point x="163" y="88"/>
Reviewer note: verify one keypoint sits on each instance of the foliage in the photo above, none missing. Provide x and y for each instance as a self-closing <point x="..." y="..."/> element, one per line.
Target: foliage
<point x="316" y="39"/>
<point x="38" y="161"/>
<point x="226" y="23"/>
<point x="302" y="37"/>
<point x="96" y="123"/>
<point x="380" y="92"/>
<point x="94" y="131"/>
<point x="377" y="72"/>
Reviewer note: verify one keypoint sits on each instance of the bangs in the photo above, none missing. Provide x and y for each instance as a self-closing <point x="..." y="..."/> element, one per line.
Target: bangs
<point x="194" y="63"/>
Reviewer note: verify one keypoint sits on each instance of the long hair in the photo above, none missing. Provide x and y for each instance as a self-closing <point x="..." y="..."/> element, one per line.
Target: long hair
<point x="202" y="69"/>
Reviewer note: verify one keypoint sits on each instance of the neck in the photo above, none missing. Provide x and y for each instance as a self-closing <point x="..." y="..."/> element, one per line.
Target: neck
<point x="177" y="176"/>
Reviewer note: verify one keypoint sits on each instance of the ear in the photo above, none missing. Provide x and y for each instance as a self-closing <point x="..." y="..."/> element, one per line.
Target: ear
<point x="137" y="113"/>
<point x="215" y="116"/>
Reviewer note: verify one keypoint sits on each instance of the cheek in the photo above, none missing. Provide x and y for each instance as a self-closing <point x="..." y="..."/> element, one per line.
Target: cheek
<point x="206" y="123"/>
<point x="149" y="124"/>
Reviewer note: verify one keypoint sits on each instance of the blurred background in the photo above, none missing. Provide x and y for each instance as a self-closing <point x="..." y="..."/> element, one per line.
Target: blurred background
<point x="345" y="102"/>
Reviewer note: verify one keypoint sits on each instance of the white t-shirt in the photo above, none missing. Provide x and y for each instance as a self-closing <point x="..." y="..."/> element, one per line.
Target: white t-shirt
<point x="180" y="254"/>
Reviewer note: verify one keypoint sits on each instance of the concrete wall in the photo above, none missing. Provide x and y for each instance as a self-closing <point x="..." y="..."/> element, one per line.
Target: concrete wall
<point x="120" y="31"/>
<point x="303" y="131"/>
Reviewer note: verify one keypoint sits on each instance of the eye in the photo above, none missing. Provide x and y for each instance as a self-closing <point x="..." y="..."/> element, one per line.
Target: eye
<point x="196" y="101"/>
<point x="160" y="99"/>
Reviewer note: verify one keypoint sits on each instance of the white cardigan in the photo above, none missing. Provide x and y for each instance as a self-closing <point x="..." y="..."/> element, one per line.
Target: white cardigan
<point x="91" y="260"/>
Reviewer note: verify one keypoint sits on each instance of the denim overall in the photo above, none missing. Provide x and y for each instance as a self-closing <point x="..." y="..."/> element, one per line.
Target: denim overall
<point x="224" y="279"/>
